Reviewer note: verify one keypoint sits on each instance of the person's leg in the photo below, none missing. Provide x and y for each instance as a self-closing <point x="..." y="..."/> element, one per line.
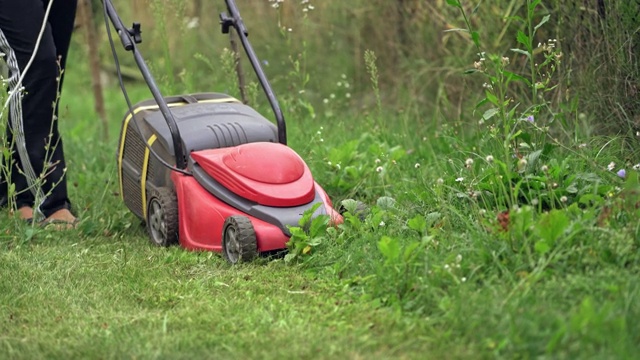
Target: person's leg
<point x="20" y="23"/>
<point x="57" y="205"/>
<point x="61" y="19"/>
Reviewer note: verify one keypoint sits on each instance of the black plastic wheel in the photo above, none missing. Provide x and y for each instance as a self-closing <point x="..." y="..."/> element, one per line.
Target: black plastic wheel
<point x="239" y="239"/>
<point x="162" y="217"/>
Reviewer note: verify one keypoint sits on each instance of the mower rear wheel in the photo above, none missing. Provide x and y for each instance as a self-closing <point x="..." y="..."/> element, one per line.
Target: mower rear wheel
<point x="239" y="239"/>
<point x="162" y="217"/>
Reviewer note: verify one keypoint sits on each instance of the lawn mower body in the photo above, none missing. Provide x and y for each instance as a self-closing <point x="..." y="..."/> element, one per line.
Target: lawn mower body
<point x="210" y="172"/>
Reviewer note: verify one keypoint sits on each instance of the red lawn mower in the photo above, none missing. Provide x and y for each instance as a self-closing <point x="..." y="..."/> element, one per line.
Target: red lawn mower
<point x="207" y="171"/>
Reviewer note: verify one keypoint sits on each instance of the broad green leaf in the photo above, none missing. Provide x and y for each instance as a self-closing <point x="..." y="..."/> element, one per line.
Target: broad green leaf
<point x="418" y="223"/>
<point x="298" y="232"/>
<point x="492" y="98"/>
<point x="542" y="22"/>
<point x="542" y="247"/>
<point x="490" y="113"/>
<point x="533" y="5"/>
<point x="547" y="149"/>
<point x="315" y="241"/>
<point x="350" y="205"/>
<point x="632" y="183"/>
<point x="552" y="225"/>
<point x="386" y="203"/>
<point x="351" y="171"/>
<point x="481" y="102"/>
<point x="522" y="220"/>
<point x="308" y="215"/>
<point x="534" y="156"/>
<point x="389" y="248"/>
<point x="410" y="250"/>
<point x="516" y="135"/>
<point x="455" y="3"/>
<point x="376" y="218"/>
<point x="523" y="39"/>
<point x="289" y="257"/>
<point x="515" y="77"/>
<point x="397" y="153"/>
<point x="591" y="199"/>
<point x="476" y="38"/>
<point x="319" y="226"/>
<point x="590" y="177"/>
<point x="432" y="217"/>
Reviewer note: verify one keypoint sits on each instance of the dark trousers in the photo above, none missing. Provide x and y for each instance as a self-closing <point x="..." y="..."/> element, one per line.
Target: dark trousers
<point x="20" y="22"/>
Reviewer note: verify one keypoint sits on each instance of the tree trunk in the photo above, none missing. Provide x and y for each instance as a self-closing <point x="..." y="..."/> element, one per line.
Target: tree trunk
<point x="86" y="14"/>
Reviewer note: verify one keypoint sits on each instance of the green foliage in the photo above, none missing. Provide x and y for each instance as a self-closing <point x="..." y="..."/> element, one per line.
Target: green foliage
<point x="602" y="42"/>
<point x="478" y="221"/>
<point x="372" y="69"/>
<point x="6" y="153"/>
<point x="367" y="160"/>
<point x="311" y="233"/>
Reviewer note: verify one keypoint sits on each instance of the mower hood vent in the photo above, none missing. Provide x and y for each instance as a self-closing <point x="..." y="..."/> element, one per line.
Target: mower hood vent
<point x="213" y="126"/>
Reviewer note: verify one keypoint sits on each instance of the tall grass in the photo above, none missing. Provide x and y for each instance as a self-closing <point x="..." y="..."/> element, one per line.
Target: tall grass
<point x="410" y="37"/>
<point x="486" y="233"/>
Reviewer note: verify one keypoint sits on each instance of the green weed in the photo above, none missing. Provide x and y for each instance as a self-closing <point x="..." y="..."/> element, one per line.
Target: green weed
<point x="479" y="222"/>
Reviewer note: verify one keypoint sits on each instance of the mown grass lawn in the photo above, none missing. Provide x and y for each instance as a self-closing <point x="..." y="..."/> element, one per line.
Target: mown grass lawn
<point x="69" y="297"/>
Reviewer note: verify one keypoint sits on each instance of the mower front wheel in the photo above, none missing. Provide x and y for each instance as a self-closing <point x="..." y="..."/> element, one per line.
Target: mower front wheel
<point x="162" y="217"/>
<point x="239" y="239"/>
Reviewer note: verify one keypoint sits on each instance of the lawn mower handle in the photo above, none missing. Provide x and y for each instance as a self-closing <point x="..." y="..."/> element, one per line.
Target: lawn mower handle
<point x="234" y="19"/>
<point x="129" y="38"/>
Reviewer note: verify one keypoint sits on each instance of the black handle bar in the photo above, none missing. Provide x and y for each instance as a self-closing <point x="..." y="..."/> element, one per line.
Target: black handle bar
<point x="234" y="19"/>
<point x="129" y="39"/>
